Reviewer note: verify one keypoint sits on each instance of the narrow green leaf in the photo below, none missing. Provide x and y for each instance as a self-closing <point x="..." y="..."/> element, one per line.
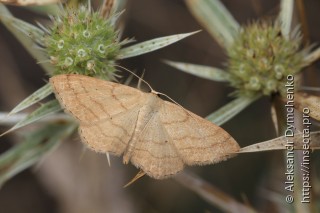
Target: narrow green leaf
<point x="27" y="42"/>
<point x="12" y="119"/>
<point x="210" y="73"/>
<point x="52" y="9"/>
<point x="35" y="97"/>
<point x="29" y="30"/>
<point x="151" y="45"/>
<point x="4" y="11"/>
<point x="230" y="110"/>
<point x="33" y="148"/>
<point x="217" y="20"/>
<point x="285" y="17"/>
<point x="15" y="118"/>
<point x="43" y="111"/>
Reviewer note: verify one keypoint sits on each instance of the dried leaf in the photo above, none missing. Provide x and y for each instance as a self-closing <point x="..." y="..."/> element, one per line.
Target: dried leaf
<point x="285" y="17"/>
<point x="308" y="103"/>
<point x="281" y="142"/>
<point x="106" y="8"/>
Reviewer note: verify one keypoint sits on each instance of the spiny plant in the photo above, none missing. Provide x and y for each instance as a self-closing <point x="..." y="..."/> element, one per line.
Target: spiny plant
<point x="79" y="41"/>
<point x="249" y="85"/>
<point x="261" y="56"/>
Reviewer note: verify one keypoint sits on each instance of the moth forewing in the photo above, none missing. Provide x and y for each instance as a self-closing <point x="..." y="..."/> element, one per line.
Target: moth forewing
<point x="157" y="136"/>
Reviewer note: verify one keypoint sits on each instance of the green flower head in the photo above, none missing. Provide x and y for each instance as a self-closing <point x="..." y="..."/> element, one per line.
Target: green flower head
<point x="260" y="58"/>
<point x="82" y="42"/>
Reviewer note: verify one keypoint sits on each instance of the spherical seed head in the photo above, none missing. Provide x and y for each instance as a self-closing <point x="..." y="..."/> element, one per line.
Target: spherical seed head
<point x="82" y="42"/>
<point x="261" y="58"/>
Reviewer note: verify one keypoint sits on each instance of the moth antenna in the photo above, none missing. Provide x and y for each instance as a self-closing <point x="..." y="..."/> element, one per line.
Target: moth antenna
<point x="152" y="90"/>
<point x="159" y="93"/>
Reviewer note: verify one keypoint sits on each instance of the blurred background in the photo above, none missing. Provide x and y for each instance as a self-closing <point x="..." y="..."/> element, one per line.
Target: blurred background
<point x="74" y="180"/>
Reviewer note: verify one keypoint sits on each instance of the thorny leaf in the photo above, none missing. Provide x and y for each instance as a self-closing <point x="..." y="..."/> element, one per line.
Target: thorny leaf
<point x="9" y="21"/>
<point x="206" y="72"/>
<point x="217" y="20"/>
<point x="35" y="97"/>
<point x="43" y="111"/>
<point x="151" y="45"/>
<point x="230" y="110"/>
<point x="33" y="148"/>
